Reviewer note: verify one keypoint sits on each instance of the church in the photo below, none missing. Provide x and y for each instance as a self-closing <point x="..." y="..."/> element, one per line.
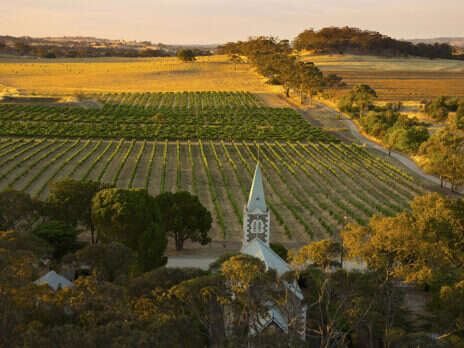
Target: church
<point x="256" y="239"/>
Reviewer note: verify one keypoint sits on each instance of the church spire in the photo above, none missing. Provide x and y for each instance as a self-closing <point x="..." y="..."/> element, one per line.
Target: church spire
<point x="256" y="199"/>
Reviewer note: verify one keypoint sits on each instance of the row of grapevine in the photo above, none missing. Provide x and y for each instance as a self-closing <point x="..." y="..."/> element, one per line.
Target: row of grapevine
<point x="230" y="195"/>
<point x="50" y="163"/>
<point x="123" y="163"/>
<point x="212" y="191"/>
<point x="61" y="167"/>
<point x="150" y="166"/>
<point x="109" y="160"/>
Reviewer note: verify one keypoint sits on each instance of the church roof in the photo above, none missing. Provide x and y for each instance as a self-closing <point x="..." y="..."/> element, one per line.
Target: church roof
<point x="260" y="250"/>
<point x="54" y="280"/>
<point x="256" y="199"/>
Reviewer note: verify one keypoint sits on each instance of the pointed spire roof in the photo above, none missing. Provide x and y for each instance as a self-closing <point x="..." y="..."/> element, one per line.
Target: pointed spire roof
<point x="256" y="199"/>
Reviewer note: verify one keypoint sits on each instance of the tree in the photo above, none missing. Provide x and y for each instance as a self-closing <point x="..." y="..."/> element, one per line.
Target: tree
<point x="186" y="55"/>
<point x="133" y="218"/>
<point x="362" y="95"/>
<point x="460" y="116"/>
<point x="71" y="201"/>
<point x="184" y="217"/>
<point x="204" y="297"/>
<point x="235" y="59"/>
<point x="161" y="280"/>
<point x="62" y="237"/>
<point x="322" y="253"/>
<point x="424" y="246"/>
<point x="18" y="211"/>
<point x="393" y="137"/>
<point x="307" y="79"/>
<point x="333" y="81"/>
<point x="444" y="154"/>
<point x="254" y="291"/>
<point x="405" y="139"/>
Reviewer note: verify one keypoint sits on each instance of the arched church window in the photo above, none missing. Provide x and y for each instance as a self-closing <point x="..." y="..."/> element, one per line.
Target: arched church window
<point x="254" y="227"/>
<point x="260" y="227"/>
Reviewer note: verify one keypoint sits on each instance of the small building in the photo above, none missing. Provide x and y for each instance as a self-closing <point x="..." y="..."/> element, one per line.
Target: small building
<point x="54" y="280"/>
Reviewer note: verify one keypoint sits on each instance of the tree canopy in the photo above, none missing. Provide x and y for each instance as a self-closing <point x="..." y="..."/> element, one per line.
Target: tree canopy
<point x="186" y="55"/>
<point x="133" y="218"/>
<point x="184" y="218"/>
<point x="71" y="201"/>
<point x="444" y="156"/>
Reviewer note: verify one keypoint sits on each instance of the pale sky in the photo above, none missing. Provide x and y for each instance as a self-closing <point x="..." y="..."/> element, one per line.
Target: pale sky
<point x="219" y="21"/>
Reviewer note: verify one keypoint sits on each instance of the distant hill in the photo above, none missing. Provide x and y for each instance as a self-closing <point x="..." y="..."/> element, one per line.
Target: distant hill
<point x="453" y="41"/>
<point x="79" y="46"/>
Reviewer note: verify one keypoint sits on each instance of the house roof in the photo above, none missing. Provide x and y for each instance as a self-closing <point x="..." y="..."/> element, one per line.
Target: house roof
<point x="54" y="280"/>
<point x="260" y="250"/>
<point x="256" y="200"/>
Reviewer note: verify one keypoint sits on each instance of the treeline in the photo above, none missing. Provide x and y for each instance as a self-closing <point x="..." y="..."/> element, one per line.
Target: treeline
<point x="357" y="41"/>
<point x="24" y="47"/>
<point x="272" y="59"/>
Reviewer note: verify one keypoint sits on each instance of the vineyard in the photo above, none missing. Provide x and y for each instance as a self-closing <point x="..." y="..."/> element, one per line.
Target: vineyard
<point x="172" y="116"/>
<point x="309" y="187"/>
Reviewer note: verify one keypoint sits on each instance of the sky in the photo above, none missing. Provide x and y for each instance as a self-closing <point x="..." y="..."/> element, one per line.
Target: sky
<point x="219" y="21"/>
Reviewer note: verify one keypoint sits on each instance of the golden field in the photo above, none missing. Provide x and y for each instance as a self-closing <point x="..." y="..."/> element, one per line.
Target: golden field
<point x="69" y="76"/>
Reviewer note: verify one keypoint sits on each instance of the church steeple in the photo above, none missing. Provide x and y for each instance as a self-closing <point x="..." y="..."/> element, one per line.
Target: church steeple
<point x="256" y="198"/>
<point x="256" y="215"/>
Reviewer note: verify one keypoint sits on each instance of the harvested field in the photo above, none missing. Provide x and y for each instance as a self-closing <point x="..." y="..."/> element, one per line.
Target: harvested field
<point x="309" y="187"/>
<point x="396" y="79"/>
<point x="406" y="85"/>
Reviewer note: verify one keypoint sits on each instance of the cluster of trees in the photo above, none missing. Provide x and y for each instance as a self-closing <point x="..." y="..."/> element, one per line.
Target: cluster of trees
<point x="273" y="60"/>
<point x="119" y="305"/>
<point x="384" y="122"/>
<point x="422" y="247"/>
<point x="439" y="109"/>
<point x="444" y="156"/>
<point x="354" y="40"/>
<point x="132" y="217"/>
